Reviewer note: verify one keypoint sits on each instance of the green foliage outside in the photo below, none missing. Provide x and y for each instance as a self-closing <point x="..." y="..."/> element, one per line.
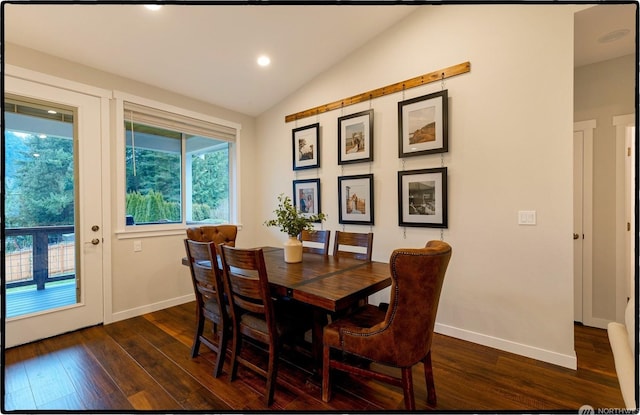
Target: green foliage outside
<point x="211" y="179"/>
<point x="151" y="208"/>
<point x="154" y="191"/>
<point x="39" y="181"/>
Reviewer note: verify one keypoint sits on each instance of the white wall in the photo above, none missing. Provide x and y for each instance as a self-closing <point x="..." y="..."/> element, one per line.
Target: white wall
<point x="511" y="121"/>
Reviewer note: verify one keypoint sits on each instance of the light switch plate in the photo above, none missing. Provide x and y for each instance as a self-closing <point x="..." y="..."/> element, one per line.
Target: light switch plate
<point x="526" y="217"/>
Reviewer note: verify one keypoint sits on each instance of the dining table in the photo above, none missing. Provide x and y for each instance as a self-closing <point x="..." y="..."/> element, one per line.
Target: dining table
<point x="327" y="283"/>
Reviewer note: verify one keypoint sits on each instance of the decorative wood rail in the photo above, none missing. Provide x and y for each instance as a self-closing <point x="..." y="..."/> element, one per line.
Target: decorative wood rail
<point x="385" y="90"/>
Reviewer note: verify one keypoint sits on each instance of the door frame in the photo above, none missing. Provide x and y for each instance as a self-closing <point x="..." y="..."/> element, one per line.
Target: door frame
<point x="625" y="210"/>
<point x="586" y="210"/>
<point x="22" y="74"/>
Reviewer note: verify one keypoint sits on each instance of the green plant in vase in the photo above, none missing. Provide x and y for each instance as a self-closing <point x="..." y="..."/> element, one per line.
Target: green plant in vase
<point x="292" y="221"/>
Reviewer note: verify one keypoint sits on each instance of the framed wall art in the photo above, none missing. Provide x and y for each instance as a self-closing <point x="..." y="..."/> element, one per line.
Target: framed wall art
<point x="306" y="147"/>
<point x="355" y="199"/>
<point x="355" y="137"/>
<point x="306" y="196"/>
<point x="422" y="198"/>
<point x="423" y="125"/>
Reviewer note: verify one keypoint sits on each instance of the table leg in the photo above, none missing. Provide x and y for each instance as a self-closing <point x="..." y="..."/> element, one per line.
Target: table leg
<point x="319" y="321"/>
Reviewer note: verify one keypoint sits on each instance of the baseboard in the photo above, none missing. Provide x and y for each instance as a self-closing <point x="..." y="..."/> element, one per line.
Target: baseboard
<point x="564" y="360"/>
<point x="149" y="308"/>
<point x="596" y="322"/>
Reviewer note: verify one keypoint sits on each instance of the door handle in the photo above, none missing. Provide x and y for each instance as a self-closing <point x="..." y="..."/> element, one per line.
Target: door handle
<point x="576" y="236"/>
<point x="95" y="241"/>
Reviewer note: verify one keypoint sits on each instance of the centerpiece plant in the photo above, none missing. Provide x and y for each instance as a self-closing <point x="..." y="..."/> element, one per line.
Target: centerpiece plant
<point x="292" y="221"/>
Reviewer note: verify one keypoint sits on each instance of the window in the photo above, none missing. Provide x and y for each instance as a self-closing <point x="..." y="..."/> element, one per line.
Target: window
<point x="178" y="169"/>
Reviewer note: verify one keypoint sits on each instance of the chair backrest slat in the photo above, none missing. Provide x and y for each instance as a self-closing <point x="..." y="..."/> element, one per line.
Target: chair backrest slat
<point x="207" y="281"/>
<point x="320" y="238"/>
<point x="246" y="282"/>
<point x="352" y="239"/>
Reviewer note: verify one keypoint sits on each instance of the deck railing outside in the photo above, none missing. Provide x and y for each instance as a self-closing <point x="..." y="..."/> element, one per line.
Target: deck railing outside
<point x="38" y="255"/>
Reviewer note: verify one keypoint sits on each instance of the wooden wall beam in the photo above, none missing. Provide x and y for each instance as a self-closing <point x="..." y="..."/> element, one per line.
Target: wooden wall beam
<point x="385" y="90"/>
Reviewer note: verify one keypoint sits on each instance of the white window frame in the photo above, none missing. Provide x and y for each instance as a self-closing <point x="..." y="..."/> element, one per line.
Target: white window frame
<point x="139" y="231"/>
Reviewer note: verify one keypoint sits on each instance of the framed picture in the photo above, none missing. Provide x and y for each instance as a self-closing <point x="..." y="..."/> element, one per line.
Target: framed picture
<point x="306" y="196"/>
<point x="422" y="198"/>
<point x="306" y="147"/>
<point x="355" y="137"/>
<point x="355" y="199"/>
<point x="423" y="125"/>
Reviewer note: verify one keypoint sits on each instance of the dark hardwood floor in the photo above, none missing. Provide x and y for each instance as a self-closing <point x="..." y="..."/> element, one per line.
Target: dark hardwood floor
<point x="144" y="364"/>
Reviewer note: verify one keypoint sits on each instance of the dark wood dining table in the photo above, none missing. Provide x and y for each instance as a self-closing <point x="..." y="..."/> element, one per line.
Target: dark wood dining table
<point x="326" y="283"/>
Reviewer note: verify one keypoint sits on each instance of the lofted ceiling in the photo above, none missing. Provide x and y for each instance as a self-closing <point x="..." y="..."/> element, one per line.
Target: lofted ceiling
<point x="208" y="52"/>
<point x="604" y="32"/>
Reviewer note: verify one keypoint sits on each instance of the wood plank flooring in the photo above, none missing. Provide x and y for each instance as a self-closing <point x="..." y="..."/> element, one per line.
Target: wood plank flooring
<point x="144" y="364"/>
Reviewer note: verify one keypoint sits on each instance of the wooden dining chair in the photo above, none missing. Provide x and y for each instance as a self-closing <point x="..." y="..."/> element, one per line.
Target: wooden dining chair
<point x="352" y="239"/>
<point x="318" y="241"/>
<point x="254" y="313"/>
<point x="210" y="301"/>
<point x="400" y="337"/>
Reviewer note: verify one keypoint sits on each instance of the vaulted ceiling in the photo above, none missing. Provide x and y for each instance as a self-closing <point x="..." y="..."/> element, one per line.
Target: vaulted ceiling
<point x="209" y="52"/>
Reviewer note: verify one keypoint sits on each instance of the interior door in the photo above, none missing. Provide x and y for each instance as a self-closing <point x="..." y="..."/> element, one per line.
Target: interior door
<point x="583" y="224"/>
<point x="41" y="239"/>
<point x="630" y="208"/>
<point x="577" y="225"/>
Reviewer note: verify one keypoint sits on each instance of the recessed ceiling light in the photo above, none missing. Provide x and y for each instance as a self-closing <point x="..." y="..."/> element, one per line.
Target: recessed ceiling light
<point x="52" y="112"/>
<point x="153" y="7"/>
<point x="264" y="60"/>
<point x="613" y="36"/>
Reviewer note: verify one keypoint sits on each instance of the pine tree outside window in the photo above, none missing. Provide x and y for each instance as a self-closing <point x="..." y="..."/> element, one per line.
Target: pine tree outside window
<point x="178" y="170"/>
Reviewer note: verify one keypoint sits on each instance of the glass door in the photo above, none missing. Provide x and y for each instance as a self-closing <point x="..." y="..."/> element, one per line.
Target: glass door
<point x="40" y="266"/>
<point x="53" y="237"/>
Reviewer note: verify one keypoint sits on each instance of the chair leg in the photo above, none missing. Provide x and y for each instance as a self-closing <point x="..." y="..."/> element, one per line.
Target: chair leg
<point x="407" y="388"/>
<point x="196" y="338"/>
<point x="326" y="363"/>
<point x="428" y="377"/>
<point x="222" y="350"/>
<point x="235" y="350"/>
<point x="272" y="372"/>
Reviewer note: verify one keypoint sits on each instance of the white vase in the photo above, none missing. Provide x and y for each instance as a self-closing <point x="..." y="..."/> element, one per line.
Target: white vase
<point x="292" y="250"/>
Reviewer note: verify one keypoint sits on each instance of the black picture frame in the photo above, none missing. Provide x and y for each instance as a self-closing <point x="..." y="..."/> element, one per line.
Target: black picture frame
<point x="306" y="147"/>
<point x="355" y="199"/>
<point x="306" y="196"/>
<point x="423" y="125"/>
<point x="355" y="137"/>
<point x="422" y="198"/>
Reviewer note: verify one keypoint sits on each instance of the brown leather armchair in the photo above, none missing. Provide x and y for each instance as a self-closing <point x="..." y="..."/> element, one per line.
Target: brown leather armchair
<point x="220" y="234"/>
<point x="400" y="337"/>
